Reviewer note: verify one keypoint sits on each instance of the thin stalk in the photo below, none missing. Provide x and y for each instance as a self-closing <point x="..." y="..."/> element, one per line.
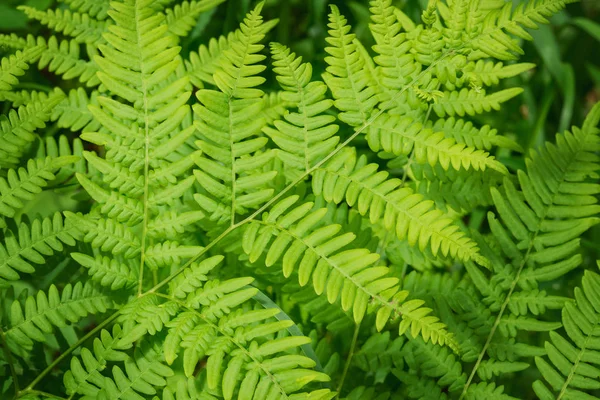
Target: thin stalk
<point x="348" y="360"/>
<point x="9" y="359"/>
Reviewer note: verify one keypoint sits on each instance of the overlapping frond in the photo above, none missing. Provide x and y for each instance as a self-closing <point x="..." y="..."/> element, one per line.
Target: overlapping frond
<point x="81" y="27"/>
<point x="202" y="64"/>
<point x="542" y="222"/>
<point x="43" y="238"/>
<point x="351" y="179"/>
<point x="346" y="76"/>
<point x="95" y="8"/>
<point x="471" y="101"/>
<point x="306" y="135"/>
<point x="23" y="184"/>
<point x="140" y="133"/>
<point x="38" y="315"/>
<point x="494" y="39"/>
<point x="84" y="376"/>
<point x="65" y="58"/>
<point x="296" y="238"/>
<point x="229" y="169"/>
<point x="573" y="369"/>
<point x="403" y="135"/>
<point x="73" y="113"/>
<point x="17" y="129"/>
<point x="484" y="138"/>
<point x="15" y="65"/>
<point x="182" y="17"/>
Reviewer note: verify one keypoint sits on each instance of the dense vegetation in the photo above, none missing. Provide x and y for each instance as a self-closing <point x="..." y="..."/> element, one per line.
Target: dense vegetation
<point x="299" y="199"/>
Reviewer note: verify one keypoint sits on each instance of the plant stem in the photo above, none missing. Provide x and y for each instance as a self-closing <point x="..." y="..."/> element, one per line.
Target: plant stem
<point x="9" y="359"/>
<point x="348" y="360"/>
<point x="45" y="394"/>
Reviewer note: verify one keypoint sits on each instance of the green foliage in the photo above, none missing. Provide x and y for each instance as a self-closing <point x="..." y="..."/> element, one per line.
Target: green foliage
<point x="189" y="210"/>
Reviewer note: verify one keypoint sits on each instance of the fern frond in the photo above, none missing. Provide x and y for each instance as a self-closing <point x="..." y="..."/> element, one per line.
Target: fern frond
<point x="81" y="27"/>
<point x="72" y="113"/>
<point x="346" y="178"/>
<point x="490" y="368"/>
<point x="143" y="373"/>
<point x="573" y="367"/>
<point x="435" y="362"/>
<point x="489" y="73"/>
<point x="107" y="272"/>
<point x="397" y="63"/>
<point x="346" y="76"/>
<point x="84" y="376"/>
<point x="229" y="168"/>
<point x="472" y="102"/>
<point x="16" y="64"/>
<point x="305" y="136"/>
<point x="378" y="354"/>
<point x="42" y="238"/>
<point x="17" y="129"/>
<point x="182" y="18"/>
<point x="317" y="253"/>
<point x="485" y="390"/>
<point x="461" y="193"/>
<point x="494" y="40"/>
<point x="64" y="58"/>
<point x="23" y="184"/>
<point x="204" y="63"/>
<point x="106" y="234"/>
<point x="274" y="106"/>
<point x="541" y="224"/>
<point x="95" y="8"/>
<point x="37" y="317"/>
<point x="541" y="217"/>
<point x="249" y="360"/>
<point x="403" y="135"/>
<point x="483" y="138"/>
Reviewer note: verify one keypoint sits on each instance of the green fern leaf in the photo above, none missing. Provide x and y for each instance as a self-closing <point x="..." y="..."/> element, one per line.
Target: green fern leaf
<point x="95" y="8"/>
<point x="229" y="168"/>
<point x="16" y="64"/>
<point x="37" y="317"/>
<point x="182" y="18"/>
<point x="316" y="253"/>
<point x="472" y="102"/>
<point x="79" y="26"/>
<point x="84" y="376"/>
<point x="42" y="238"/>
<point x="573" y="368"/>
<point x="305" y="136"/>
<point x="23" y="184"/>
<point x="17" y="130"/>
<point x="346" y="178"/>
<point x="202" y="64"/>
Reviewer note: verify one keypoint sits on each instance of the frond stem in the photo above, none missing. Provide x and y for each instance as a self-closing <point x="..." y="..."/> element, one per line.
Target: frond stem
<point x="45" y="394"/>
<point x="144" y="90"/>
<point x="348" y="360"/>
<point x="9" y="359"/>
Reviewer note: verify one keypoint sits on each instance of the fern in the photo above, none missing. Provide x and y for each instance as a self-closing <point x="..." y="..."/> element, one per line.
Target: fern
<point x="571" y="369"/>
<point x="187" y="217"/>
<point x="231" y="136"/>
